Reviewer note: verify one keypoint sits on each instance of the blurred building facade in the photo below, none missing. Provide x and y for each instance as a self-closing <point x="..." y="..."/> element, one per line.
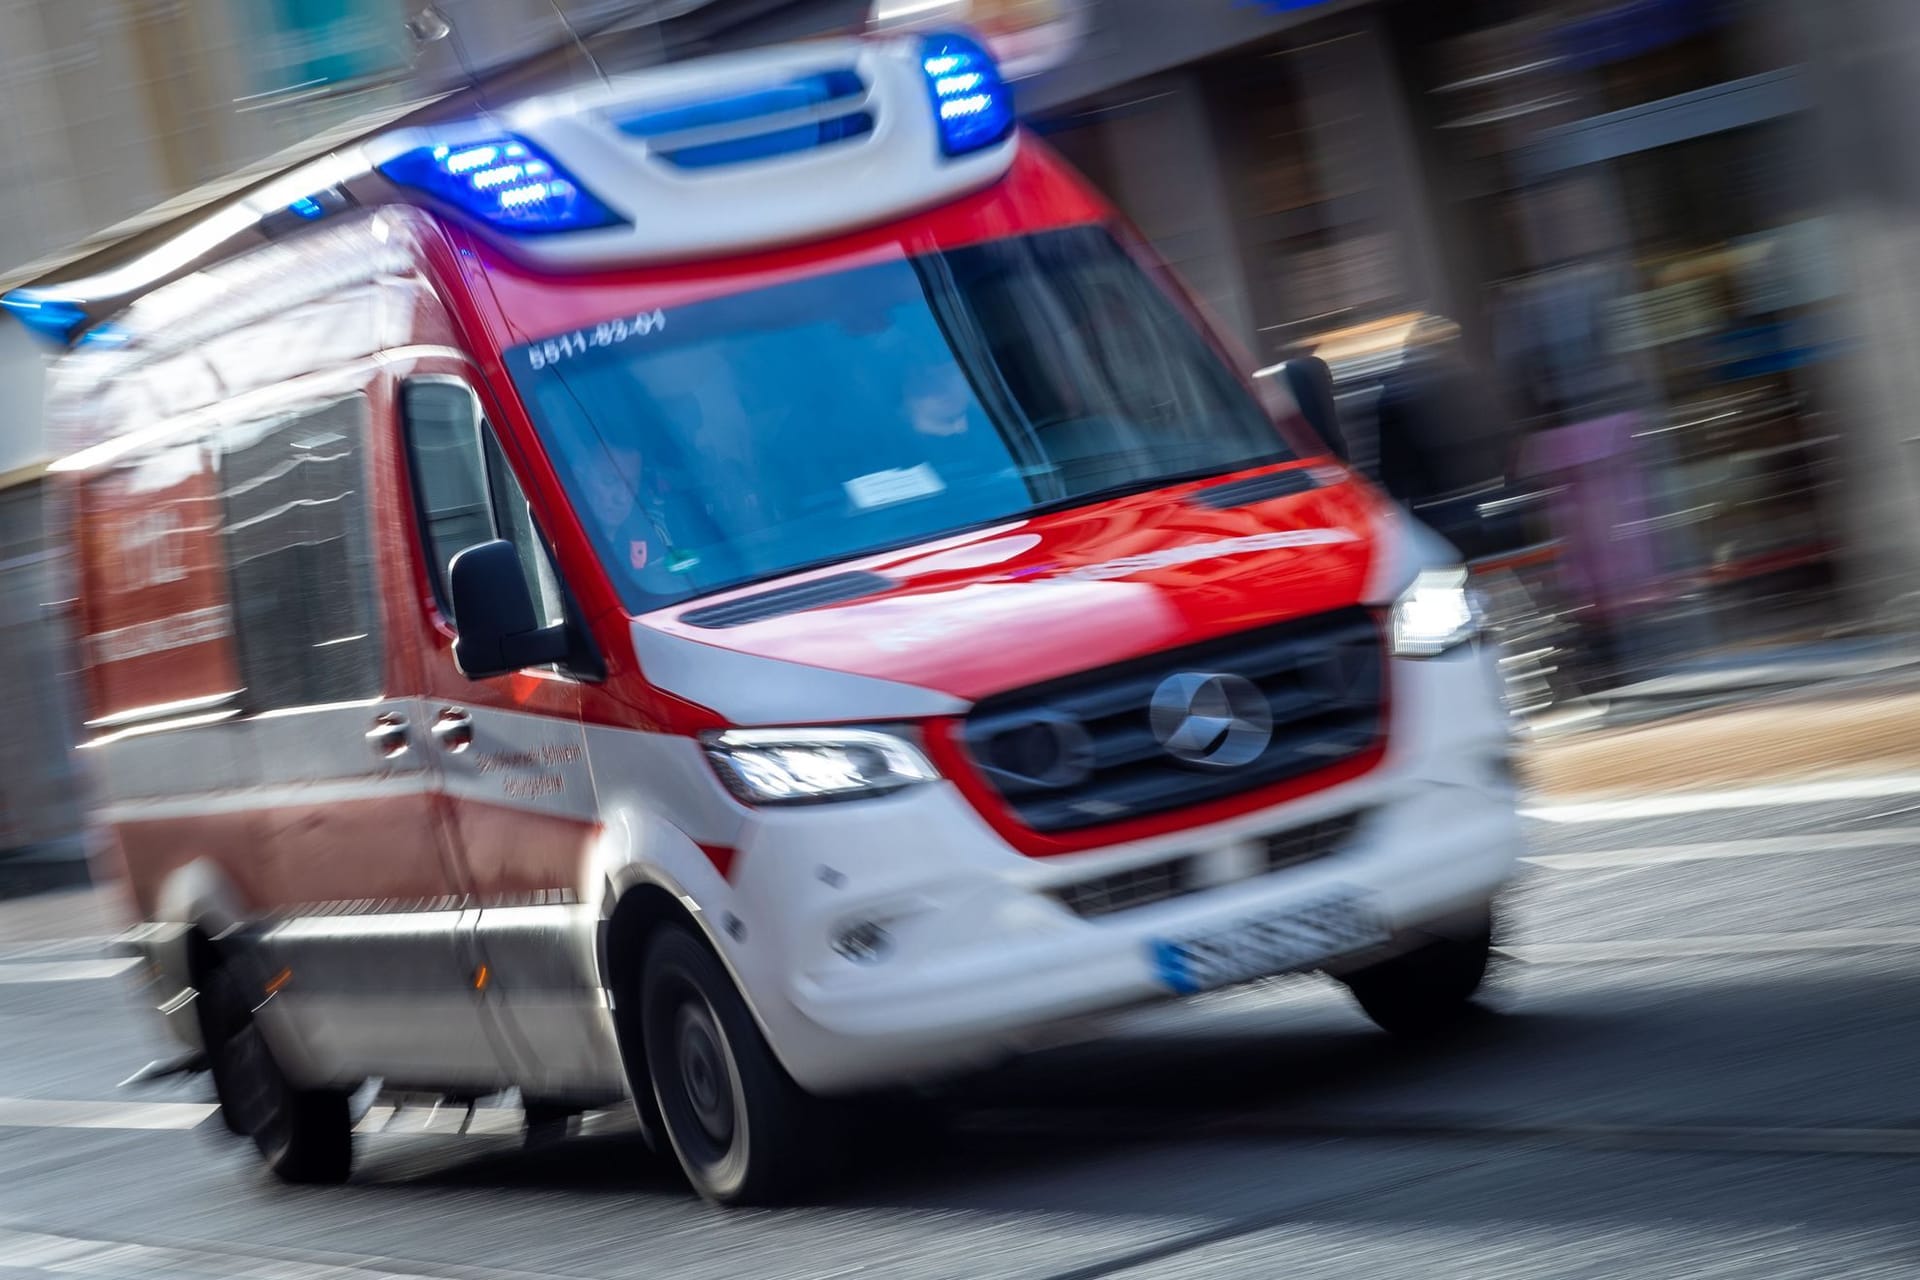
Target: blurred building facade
<point x="1673" y="235"/>
<point x="116" y="115"/>
<point x="1677" y="237"/>
<point x="1635" y="212"/>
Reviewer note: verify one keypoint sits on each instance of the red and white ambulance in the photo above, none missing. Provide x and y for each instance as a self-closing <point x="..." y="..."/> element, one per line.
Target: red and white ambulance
<point x="736" y="588"/>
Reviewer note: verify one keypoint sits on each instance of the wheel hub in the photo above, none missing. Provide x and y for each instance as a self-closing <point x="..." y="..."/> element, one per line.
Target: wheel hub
<point x="704" y="1073"/>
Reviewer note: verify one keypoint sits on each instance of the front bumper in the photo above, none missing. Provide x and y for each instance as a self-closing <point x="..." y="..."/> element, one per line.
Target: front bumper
<point x="982" y="959"/>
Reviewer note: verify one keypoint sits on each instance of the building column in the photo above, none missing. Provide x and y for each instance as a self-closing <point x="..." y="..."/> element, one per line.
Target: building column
<point x="1862" y="58"/>
<point x="1168" y="177"/>
<point x="1364" y="141"/>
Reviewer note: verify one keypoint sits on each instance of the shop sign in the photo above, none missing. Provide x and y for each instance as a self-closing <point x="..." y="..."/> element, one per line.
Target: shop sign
<point x="1671" y="313"/>
<point x="1634" y="28"/>
<point x="299" y="44"/>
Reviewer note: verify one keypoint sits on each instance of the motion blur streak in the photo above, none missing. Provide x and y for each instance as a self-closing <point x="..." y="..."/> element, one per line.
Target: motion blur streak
<point x="1366" y="515"/>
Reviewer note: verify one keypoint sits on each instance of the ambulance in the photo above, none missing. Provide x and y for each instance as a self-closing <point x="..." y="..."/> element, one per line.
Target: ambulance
<point x="733" y="591"/>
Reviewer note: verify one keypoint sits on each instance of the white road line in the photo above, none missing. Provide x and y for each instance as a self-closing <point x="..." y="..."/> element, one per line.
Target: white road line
<point x="64" y="970"/>
<point x="1760" y="847"/>
<point x="1715" y="945"/>
<point x="1738" y="798"/>
<point x="383" y="1119"/>
<point x="75" y="1255"/>
<point x="50" y="948"/>
<point x="490" y="1122"/>
<point x="56" y="1113"/>
<point x="444" y="1121"/>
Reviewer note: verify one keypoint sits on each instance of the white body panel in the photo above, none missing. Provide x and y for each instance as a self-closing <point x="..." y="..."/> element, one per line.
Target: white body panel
<point x="983" y="961"/>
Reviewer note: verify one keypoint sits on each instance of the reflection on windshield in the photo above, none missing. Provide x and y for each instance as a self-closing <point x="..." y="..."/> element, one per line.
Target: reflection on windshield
<point x="752" y="435"/>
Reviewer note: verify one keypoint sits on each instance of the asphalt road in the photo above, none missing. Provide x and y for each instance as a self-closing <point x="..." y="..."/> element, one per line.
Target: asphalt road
<point x="1700" y="1061"/>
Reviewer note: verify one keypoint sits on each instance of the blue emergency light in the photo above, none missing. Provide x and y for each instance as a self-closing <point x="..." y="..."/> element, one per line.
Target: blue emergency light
<point x="50" y="318"/>
<point x="971" y="102"/>
<point x="505" y="182"/>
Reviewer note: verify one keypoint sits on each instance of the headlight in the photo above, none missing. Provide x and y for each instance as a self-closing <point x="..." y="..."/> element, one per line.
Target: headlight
<point x="798" y="766"/>
<point x="1435" y="614"/>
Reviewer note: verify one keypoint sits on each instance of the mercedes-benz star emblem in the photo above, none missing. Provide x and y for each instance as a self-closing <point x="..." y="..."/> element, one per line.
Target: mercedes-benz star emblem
<point x="1218" y="720"/>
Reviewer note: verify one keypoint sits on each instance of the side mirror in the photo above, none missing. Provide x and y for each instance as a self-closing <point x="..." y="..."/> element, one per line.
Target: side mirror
<point x="498" y="631"/>
<point x="1311" y="382"/>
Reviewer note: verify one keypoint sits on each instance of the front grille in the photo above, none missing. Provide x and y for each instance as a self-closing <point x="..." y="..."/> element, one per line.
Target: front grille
<point x="1125" y="890"/>
<point x="1084" y="751"/>
<point x="1177" y="877"/>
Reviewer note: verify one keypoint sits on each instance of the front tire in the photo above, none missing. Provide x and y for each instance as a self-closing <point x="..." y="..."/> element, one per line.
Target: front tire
<point x="743" y="1131"/>
<point x="305" y="1135"/>
<point x="1427" y="991"/>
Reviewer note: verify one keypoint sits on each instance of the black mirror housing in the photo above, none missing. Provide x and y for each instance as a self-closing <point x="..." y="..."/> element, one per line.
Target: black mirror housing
<point x="497" y="631"/>
<point x="1310" y="381"/>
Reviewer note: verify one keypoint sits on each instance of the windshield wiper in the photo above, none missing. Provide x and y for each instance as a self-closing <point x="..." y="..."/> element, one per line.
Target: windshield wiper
<point x="1132" y="487"/>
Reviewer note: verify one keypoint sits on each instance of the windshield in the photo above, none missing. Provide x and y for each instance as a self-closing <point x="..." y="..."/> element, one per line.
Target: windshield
<point x="748" y="436"/>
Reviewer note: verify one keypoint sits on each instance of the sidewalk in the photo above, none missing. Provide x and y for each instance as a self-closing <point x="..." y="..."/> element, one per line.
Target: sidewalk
<point x="1742" y="676"/>
<point x="1851" y="733"/>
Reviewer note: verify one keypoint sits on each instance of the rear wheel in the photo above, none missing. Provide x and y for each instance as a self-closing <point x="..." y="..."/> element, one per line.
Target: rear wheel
<point x="1429" y="990"/>
<point x="743" y="1131"/>
<point x="305" y="1135"/>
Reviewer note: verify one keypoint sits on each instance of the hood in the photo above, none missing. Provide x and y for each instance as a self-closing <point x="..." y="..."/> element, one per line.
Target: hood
<point x="1027" y="601"/>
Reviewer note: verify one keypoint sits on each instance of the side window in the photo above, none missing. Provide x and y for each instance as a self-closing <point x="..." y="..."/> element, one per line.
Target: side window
<point x="294" y="499"/>
<point x="465" y="491"/>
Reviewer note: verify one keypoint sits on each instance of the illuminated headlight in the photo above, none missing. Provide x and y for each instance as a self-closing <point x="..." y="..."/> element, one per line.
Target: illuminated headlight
<point x="800" y="766"/>
<point x="1437" y="613"/>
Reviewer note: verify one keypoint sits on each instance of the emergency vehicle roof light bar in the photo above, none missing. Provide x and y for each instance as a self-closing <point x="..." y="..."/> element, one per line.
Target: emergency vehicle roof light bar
<point x="972" y="103"/>
<point x="505" y="182"/>
<point x="52" y="319"/>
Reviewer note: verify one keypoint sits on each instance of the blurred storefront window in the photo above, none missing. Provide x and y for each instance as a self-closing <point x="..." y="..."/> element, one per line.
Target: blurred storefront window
<point x="1658" y="290"/>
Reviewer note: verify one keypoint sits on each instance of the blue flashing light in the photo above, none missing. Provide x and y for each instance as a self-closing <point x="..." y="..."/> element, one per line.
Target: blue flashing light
<point x="971" y="103"/>
<point x="307" y="207"/>
<point x="796" y="94"/>
<point x="507" y="183"/>
<point x="765" y="146"/>
<point x="53" y="319"/>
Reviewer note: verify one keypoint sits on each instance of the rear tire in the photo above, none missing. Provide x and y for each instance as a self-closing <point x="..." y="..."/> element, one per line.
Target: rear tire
<point x="1429" y="990"/>
<point x="305" y="1135"/>
<point x="744" y="1132"/>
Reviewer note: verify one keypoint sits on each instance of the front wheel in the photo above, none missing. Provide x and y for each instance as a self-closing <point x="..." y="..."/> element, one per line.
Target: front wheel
<point x="744" y="1132"/>
<point x="1429" y="990"/>
<point x="305" y="1135"/>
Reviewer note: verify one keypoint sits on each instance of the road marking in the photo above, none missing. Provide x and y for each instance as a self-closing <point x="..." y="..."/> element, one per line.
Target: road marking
<point x="64" y="970"/>
<point x="55" y="1113"/>
<point x="447" y="1121"/>
<point x="442" y="1121"/>
<point x="87" y="948"/>
<point x="1738" y="798"/>
<point x="1760" y="847"/>
<point x="1729" y="944"/>
<point x="29" y="1250"/>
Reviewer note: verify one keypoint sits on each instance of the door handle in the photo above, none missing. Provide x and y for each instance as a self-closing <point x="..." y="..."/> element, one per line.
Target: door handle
<point x="388" y="737"/>
<point x="453" y="728"/>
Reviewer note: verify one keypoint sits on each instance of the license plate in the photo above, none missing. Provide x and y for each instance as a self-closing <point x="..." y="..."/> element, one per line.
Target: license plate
<point x="1302" y="937"/>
